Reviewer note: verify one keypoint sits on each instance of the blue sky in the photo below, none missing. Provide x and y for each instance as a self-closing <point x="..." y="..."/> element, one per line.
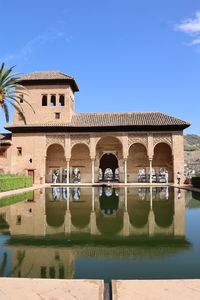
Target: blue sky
<point x="125" y="55"/>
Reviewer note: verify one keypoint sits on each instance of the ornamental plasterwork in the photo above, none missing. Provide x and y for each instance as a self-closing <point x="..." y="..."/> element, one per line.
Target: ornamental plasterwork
<point x="162" y="138"/>
<point x="55" y="139"/>
<point x="80" y="139"/>
<point x="141" y="139"/>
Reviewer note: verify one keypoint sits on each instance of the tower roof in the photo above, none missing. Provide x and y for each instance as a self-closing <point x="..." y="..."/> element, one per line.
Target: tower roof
<point x="43" y="77"/>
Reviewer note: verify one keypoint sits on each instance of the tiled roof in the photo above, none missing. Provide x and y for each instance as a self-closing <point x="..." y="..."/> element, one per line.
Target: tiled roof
<point x="136" y="119"/>
<point x="124" y="119"/>
<point x="47" y="75"/>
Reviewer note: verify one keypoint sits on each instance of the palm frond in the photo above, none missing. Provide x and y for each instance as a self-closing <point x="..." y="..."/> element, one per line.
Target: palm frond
<point x="20" y="112"/>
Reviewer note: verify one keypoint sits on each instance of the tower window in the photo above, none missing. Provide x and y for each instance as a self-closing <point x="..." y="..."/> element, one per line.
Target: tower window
<point x="21" y="98"/>
<point x="53" y="100"/>
<point x="44" y="100"/>
<point x="61" y="100"/>
<point x="19" y="151"/>
<point x="57" y="115"/>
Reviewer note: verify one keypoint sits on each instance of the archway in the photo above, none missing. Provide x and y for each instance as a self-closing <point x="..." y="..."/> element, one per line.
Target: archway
<point x="108" y="165"/>
<point x="55" y="164"/>
<point x="109" y="158"/>
<point x="138" y="163"/>
<point x="163" y="161"/>
<point x="80" y="164"/>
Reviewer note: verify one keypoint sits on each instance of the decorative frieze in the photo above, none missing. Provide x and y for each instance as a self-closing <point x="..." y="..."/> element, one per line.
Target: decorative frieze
<point x="80" y="139"/>
<point x="137" y="138"/>
<point x="162" y="138"/>
<point x="55" y="139"/>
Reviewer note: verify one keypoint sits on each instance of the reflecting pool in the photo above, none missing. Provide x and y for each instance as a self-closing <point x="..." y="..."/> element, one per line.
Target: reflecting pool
<point x="104" y="233"/>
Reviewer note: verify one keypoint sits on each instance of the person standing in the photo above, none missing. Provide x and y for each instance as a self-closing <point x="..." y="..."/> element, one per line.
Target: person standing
<point x="178" y="176"/>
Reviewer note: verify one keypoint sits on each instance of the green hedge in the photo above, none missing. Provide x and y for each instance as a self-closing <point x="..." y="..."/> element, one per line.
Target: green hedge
<point x="196" y="196"/>
<point x="15" y="182"/>
<point x="196" y="181"/>
<point x="16" y="198"/>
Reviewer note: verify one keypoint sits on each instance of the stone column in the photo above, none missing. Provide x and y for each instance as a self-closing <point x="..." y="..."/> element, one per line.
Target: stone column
<point x="125" y="200"/>
<point x="125" y="170"/>
<point x="150" y="170"/>
<point x="151" y="218"/>
<point x="93" y="161"/>
<point x="93" y="200"/>
<point x="67" y="171"/>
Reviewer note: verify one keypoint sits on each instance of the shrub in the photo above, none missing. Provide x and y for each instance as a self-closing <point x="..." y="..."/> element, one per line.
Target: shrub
<point x="196" y="181"/>
<point x="16" y="198"/>
<point x="196" y="196"/>
<point x="15" y="182"/>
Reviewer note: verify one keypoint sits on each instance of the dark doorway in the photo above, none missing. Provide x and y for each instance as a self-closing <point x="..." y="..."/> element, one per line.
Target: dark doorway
<point x="108" y="165"/>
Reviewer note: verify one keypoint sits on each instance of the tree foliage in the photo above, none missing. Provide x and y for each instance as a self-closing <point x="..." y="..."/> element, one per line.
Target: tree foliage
<point x="11" y="92"/>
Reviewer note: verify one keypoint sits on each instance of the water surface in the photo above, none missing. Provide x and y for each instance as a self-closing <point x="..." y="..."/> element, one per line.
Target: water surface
<point x="103" y="233"/>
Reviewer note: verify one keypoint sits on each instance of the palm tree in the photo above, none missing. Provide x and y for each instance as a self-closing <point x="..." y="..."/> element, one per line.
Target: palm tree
<point x="9" y="93"/>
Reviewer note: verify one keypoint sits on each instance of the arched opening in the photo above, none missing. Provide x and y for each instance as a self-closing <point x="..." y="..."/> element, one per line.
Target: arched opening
<point x="44" y="100"/>
<point x="80" y="164"/>
<point x="138" y="163"/>
<point x="109" y="154"/>
<point x="53" y="100"/>
<point x="164" y="212"/>
<point x="61" y="100"/>
<point x="80" y="208"/>
<point x="108" y="165"/>
<point x="55" y="164"/>
<point x="163" y="162"/>
<point x="55" y="207"/>
<point x="138" y="207"/>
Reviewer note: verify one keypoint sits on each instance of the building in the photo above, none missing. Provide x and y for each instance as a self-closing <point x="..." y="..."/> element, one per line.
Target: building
<point x="60" y="145"/>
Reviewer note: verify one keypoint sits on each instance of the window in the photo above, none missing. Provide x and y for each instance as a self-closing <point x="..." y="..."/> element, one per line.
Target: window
<point x="57" y="115"/>
<point x="3" y="151"/>
<point x="21" y="98"/>
<point x="44" y="100"/>
<point x="61" y="100"/>
<point x="53" y="100"/>
<point x="20" y="118"/>
<point x="19" y="220"/>
<point x="19" y="151"/>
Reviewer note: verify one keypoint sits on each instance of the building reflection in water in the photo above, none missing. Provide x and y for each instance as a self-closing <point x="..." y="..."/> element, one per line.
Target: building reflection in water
<point x="80" y="222"/>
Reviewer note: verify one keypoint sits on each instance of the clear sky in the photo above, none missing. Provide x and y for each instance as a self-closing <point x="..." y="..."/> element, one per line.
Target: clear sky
<point x="130" y="55"/>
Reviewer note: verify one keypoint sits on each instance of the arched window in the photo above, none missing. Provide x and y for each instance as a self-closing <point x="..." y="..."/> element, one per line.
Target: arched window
<point x="53" y="100"/>
<point x="44" y="100"/>
<point x="61" y="100"/>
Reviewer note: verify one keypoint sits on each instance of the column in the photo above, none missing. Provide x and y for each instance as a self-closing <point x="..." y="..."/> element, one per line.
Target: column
<point x="93" y="200"/>
<point x="93" y="161"/>
<point x="67" y="171"/>
<point x="150" y="170"/>
<point x="125" y="199"/>
<point x="151" y="218"/>
<point x="125" y="170"/>
<point x="126" y="222"/>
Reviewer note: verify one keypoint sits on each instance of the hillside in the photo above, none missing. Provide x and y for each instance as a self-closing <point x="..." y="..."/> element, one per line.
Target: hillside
<point x="192" y="142"/>
<point x="192" y="152"/>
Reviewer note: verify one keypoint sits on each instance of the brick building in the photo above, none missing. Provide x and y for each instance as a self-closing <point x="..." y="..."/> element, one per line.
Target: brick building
<point x="60" y="145"/>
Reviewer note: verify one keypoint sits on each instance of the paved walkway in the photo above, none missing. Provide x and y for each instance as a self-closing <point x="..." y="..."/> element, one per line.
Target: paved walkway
<point x="50" y="289"/>
<point x="24" y="190"/>
<point x="156" y="289"/>
<point x="80" y="289"/>
<point x="187" y="187"/>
